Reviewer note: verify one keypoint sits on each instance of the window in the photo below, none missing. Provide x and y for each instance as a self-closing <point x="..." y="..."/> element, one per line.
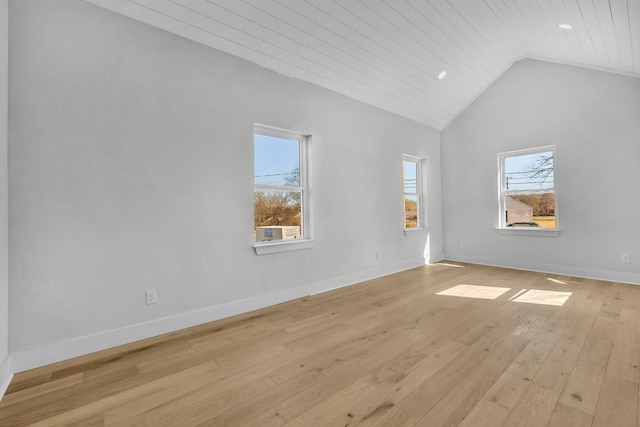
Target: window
<point x="412" y="190"/>
<point x="279" y="179"/>
<point x="528" y="190"/>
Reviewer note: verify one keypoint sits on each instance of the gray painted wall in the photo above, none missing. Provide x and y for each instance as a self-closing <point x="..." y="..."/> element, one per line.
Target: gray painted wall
<point x="593" y="118"/>
<point x="131" y="168"/>
<point x="4" y="219"/>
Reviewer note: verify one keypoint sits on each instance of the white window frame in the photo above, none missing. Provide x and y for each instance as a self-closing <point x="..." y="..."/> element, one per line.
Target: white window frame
<point x="503" y="192"/>
<point x="419" y="193"/>
<point x="305" y="242"/>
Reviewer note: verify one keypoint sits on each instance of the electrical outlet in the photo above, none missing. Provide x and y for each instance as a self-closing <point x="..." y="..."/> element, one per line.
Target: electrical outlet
<point x="151" y="296"/>
<point x="626" y="259"/>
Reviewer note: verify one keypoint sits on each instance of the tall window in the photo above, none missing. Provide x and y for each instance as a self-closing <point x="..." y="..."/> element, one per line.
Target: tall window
<point x="528" y="189"/>
<point x="412" y="189"/>
<point x="279" y="179"/>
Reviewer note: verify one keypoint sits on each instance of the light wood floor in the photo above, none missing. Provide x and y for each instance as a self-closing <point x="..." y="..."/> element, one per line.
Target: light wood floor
<point x="387" y="352"/>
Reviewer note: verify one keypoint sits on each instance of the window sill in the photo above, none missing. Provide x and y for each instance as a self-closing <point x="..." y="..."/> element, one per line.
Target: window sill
<point x="543" y="232"/>
<point x="415" y="231"/>
<point x="283" y="246"/>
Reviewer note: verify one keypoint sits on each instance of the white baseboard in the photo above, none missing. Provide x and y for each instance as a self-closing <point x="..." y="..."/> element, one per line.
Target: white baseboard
<point x="565" y="270"/>
<point x="436" y="257"/>
<point x="34" y="358"/>
<point x="6" y="375"/>
<point x="351" y="279"/>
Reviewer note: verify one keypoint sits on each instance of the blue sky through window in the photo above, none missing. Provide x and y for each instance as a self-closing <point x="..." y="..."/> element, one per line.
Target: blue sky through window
<point x="521" y="172"/>
<point x="276" y="161"/>
<point x="410" y="183"/>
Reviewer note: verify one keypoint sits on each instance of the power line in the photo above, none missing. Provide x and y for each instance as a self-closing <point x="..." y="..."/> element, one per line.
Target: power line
<point x="275" y="174"/>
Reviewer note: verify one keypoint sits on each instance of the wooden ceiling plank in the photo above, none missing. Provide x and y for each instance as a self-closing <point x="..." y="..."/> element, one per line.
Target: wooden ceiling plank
<point x="634" y="31"/>
<point x="557" y="40"/>
<point x="402" y="69"/>
<point x="387" y="37"/>
<point x="395" y="38"/>
<point x="487" y="29"/>
<point x="515" y="15"/>
<point x="592" y="26"/>
<point x="575" y="17"/>
<point x="621" y="25"/>
<point x="607" y="30"/>
<point x="444" y="29"/>
<point x="425" y="46"/>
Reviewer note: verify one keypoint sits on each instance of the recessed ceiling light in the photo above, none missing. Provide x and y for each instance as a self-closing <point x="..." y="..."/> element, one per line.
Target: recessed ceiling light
<point x="442" y="75"/>
<point x="566" y="26"/>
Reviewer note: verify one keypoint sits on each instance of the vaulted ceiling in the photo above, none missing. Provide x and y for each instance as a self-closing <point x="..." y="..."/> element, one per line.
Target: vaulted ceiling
<point x="389" y="53"/>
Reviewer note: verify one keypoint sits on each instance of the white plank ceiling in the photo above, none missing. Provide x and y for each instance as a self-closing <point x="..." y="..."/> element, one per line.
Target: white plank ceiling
<point x="389" y="53"/>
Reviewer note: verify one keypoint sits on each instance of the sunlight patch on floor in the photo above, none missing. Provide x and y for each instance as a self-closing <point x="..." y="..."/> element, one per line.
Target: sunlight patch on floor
<point x="474" y="291"/>
<point x="529" y="296"/>
<point x="560" y="282"/>
<point x="538" y="296"/>
<point x="450" y="265"/>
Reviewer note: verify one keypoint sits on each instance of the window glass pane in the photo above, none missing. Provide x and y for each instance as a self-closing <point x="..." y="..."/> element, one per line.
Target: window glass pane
<point x="411" y="211"/>
<point x="529" y="171"/>
<point x="410" y="176"/>
<point x="531" y="210"/>
<point x="276" y="161"/>
<point x="529" y="197"/>
<point x="277" y="215"/>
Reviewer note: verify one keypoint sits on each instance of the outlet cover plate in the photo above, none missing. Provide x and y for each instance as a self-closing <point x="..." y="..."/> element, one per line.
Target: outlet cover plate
<point x="151" y="296"/>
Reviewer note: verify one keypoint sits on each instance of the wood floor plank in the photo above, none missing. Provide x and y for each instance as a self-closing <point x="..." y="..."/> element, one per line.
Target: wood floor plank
<point x="346" y="375"/>
<point x="393" y="351"/>
<point x="485" y="414"/>
<point x="564" y="416"/>
<point x="414" y="407"/>
<point x="42" y="389"/>
<point x="617" y="405"/>
<point x="262" y="409"/>
<point x="624" y="361"/>
<point x="396" y="367"/>
<point x="328" y="411"/>
<point x="395" y="388"/>
<point x="190" y="408"/>
<point x="556" y="369"/>
<point x="457" y="404"/>
<point x="597" y="348"/>
<point x="61" y="411"/>
<point x="534" y="407"/>
<point x="583" y="387"/>
<point x="508" y="389"/>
